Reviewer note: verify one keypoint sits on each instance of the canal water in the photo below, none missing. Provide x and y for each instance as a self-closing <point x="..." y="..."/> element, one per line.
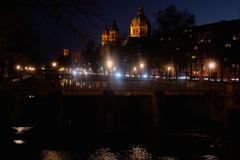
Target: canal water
<point x="56" y="127"/>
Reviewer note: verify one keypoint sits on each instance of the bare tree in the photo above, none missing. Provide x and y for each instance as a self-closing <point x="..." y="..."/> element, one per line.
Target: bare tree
<point x="16" y="16"/>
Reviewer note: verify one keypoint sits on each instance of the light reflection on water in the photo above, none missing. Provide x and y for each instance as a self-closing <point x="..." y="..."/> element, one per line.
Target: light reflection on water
<point x="167" y="158"/>
<point x="138" y="153"/>
<point x="58" y="155"/>
<point x="209" y="157"/>
<point x="65" y="82"/>
<point x="133" y="153"/>
<point x="103" y="154"/>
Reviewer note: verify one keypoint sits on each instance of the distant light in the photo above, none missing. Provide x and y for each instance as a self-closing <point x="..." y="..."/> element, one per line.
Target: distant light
<point x="19" y="141"/>
<point x="118" y="75"/>
<point x="31" y="96"/>
<point x="193" y="57"/>
<point x="169" y="68"/>
<point x="18" y="67"/>
<point x="61" y="69"/>
<point x="54" y="64"/>
<point x="20" y="130"/>
<point x="142" y="65"/>
<point x="134" y="69"/>
<point x="145" y="76"/>
<point x="86" y="73"/>
<point x="212" y="65"/>
<point x="114" y="68"/>
<point x="109" y="63"/>
<point x="74" y="73"/>
<point x="182" y="78"/>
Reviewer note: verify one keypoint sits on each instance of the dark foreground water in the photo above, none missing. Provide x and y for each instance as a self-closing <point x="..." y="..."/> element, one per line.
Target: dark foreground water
<point x="187" y="129"/>
<point x="49" y="144"/>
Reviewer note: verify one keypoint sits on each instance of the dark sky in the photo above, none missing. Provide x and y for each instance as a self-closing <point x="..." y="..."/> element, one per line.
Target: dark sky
<point x="206" y="11"/>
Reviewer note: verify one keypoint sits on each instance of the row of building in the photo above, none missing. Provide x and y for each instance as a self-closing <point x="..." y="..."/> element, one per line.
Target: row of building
<point x="184" y="52"/>
<point x="188" y="51"/>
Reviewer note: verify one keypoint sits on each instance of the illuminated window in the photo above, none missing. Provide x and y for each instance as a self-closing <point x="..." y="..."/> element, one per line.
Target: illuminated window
<point x="228" y="45"/>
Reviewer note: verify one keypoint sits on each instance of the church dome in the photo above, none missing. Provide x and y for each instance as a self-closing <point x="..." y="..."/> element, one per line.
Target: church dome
<point x="140" y="25"/>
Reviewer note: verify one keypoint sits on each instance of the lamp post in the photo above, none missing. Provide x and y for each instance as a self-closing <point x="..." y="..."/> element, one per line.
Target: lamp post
<point x="141" y="66"/>
<point x="211" y="66"/>
<point x="169" y="69"/>
<point x="109" y="65"/>
<point x="54" y="64"/>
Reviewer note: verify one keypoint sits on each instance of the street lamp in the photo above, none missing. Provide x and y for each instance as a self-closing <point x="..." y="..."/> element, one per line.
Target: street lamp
<point x="211" y="66"/>
<point x="18" y="67"/>
<point x="54" y="64"/>
<point x="169" y="68"/>
<point x="142" y="65"/>
<point x="134" y="69"/>
<point x="109" y="65"/>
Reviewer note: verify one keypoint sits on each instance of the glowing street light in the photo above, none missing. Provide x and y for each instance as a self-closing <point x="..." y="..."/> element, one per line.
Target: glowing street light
<point x="134" y="69"/>
<point x="169" y="68"/>
<point x="18" y="67"/>
<point x="109" y="64"/>
<point x="54" y="64"/>
<point x="211" y="66"/>
<point x="142" y="65"/>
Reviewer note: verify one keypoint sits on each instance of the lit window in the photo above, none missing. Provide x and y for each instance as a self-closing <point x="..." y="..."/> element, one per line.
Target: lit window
<point x="228" y="45"/>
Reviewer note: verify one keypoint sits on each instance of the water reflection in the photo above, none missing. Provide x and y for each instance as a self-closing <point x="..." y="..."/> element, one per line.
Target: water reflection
<point x="103" y="154"/>
<point x="58" y="155"/>
<point x="132" y="153"/>
<point x="209" y="157"/>
<point x="138" y="153"/>
<point x="167" y="158"/>
<point x="19" y="141"/>
<point x="21" y="130"/>
<point x="67" y="82"/>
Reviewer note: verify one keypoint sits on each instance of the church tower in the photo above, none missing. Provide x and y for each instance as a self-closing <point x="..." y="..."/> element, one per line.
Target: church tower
<point x="140" y="26"/>
<point x="105" y="35"/>
<point x="110" y="35"/>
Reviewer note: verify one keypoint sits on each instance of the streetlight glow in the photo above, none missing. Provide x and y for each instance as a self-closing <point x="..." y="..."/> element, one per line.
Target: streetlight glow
<point x="18" y="67"/>
<point x="54" y="64"/>
<point x="135" y="69"/>
<point x="142" y="65"/>
<point x="109" y="64"/>
<point x="212" y="65"/>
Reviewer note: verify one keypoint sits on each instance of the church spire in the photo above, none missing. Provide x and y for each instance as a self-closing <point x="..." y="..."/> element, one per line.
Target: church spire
<point x="140" y="11"/>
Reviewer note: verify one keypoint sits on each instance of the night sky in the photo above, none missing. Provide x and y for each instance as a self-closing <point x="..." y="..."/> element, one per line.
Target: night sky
<point x="206" y="11"/>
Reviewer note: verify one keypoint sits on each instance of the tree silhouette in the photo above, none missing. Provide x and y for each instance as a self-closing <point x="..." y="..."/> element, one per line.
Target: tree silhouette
<point x="17" y="37"/>
<point x="171" y="37"/>
<point x="171" y="19"/>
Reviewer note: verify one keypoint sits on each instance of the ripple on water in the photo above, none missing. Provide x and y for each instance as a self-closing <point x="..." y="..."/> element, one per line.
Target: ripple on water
<point x="103" y="154"/>
<point x="209" y="157"/>
<point x="138" y="153"/>
<point x="58" y="155"/>
<point x="167" y="158"/>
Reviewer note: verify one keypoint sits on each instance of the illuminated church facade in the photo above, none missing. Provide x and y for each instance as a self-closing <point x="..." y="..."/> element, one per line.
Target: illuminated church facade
<point x="139" y="33"/>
